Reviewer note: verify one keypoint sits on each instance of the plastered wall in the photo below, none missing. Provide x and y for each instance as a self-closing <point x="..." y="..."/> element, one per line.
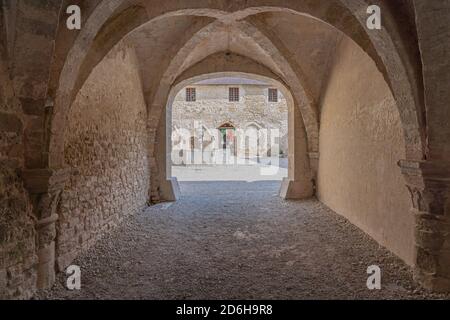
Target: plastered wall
<point x="361" y="140"/>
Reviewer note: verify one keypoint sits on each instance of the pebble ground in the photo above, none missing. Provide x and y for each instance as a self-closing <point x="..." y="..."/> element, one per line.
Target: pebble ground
<point x="237" y="240"/>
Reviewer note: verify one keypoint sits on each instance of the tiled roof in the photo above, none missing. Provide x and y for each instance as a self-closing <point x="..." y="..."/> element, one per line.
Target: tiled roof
<point x="231" y="81"/>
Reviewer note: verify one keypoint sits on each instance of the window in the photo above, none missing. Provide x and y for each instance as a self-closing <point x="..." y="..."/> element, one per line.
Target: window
<point x="273" y="95"/>
<point x="234" y="95"/>
<point x="191" y="95"/>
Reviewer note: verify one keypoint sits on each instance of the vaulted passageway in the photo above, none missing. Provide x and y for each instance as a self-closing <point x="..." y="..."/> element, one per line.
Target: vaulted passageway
<point x="83" y="120"/>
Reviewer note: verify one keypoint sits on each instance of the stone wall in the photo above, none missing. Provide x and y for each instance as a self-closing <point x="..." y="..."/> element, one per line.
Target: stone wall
<point x="212" y="109"/>
<point x="106" y="146"/>
<point x="361" y="141"/>
<point x="17" y="235"/>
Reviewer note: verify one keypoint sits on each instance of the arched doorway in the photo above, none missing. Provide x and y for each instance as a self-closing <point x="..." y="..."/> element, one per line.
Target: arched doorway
<point x="227" y="145"/>
<point x="252" y="143"/>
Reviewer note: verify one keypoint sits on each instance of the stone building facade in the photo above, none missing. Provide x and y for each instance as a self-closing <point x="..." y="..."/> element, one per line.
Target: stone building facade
<point x="226" y="120"/>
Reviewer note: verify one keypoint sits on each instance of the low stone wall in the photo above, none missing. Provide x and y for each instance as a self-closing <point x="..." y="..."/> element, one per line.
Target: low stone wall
<point x="106" y="147"/>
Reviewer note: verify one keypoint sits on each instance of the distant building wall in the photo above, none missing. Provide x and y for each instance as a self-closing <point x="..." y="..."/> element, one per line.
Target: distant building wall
<point x="196" y="125"/>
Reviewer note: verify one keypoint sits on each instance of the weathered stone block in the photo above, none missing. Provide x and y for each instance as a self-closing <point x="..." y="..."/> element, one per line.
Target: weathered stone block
<point x="296" y="190"/>
<point x="10" y="123"/>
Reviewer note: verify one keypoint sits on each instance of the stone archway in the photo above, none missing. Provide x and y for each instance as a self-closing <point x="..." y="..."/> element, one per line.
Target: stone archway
<point x="252" y="143"/>
<point x="227" y="142"/>
<point x="380" y="47"/>
<point x="137" y="17"/>
<point x="298" y="185"/>
<point x="277" y="62"/>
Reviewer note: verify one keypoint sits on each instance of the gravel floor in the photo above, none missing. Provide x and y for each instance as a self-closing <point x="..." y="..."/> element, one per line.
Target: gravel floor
<point x="236" y="240"/>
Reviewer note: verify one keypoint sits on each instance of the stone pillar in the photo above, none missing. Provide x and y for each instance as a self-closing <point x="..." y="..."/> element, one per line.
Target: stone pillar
<point x="298" y="184"/>
<point x="45" y="187"/>
<point x="314" y="164"/>
<point x="429" y="187"/>
<point x="167" y="186"/>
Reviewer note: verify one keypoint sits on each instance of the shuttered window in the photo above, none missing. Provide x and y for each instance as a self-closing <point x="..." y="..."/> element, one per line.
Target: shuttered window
<point x="191" y="95"/>
<point x="273" y="95"/>
<point x="234" y="94"/>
